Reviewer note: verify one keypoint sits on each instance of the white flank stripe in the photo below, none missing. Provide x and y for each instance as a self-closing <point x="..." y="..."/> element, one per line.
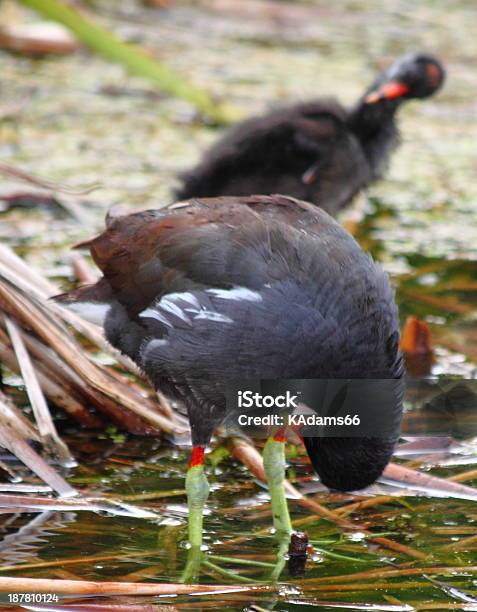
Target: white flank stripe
<point x="237" y="293"/>
<point x="184" y="297"/>
<point x="213" y="316"/>
<point x="158" y="342"/>
<point x="169" y="306"/>
<point x="150" y="313"/>
<point x="94" y="312"/>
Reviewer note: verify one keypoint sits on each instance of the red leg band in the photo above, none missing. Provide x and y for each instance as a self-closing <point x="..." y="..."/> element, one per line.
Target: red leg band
<point x="197" y="457"/>
<point x="280" y="435"/>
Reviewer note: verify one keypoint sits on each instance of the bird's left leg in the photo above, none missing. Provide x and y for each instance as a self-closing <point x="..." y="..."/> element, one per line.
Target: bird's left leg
<point x="274" y="464"/>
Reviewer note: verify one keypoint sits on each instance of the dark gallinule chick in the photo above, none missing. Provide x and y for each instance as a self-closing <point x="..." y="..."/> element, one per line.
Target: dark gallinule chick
<point x="214" y="290"/>
<point x="317" y="151"/>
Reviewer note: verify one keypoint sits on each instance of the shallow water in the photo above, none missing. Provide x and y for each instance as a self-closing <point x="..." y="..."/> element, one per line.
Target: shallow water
<point x="96" y="546"/>
<point x="81" y="120"/>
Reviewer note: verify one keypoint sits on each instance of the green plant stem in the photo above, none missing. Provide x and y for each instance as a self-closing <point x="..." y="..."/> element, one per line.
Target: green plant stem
<point x="227" y="573"/>
<point x="239" y="561"/>
<point x="130" y="56"/>
<point x="335" y="555"/>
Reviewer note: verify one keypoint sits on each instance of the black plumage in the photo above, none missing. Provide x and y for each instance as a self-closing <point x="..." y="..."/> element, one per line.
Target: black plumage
<point x="215" y="290"/>
<point x="316" y="151"/>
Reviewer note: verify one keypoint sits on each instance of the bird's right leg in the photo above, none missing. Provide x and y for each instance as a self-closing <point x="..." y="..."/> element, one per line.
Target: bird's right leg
<point x="274" y="464"/>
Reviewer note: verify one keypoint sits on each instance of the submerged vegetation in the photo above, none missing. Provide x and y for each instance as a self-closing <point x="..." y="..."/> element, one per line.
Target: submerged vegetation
<point x="407" y="543"/>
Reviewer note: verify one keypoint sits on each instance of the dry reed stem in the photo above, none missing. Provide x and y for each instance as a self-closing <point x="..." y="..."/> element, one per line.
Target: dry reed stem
<point x="16" y="272"/>
<point x="89" y="587"/>
<point x="12" y="417"/>
<point x="92" y="504"/>
<point x="75" y="383"/>
<point x="41" y="411"/>
<point x="31" y="282"/>
<point x="470" y="475"/>
<point x="59" y="393"/>
<point x="12" y="171"/>
<point x="82" y="270"/>
<point x="411" y="477"/>
<point x="81" y="560"/>
<point x="10" y="440"/>
<point x="37" y="317"/>
<point x="463" y="544"/>
<point x="390" y="572"/>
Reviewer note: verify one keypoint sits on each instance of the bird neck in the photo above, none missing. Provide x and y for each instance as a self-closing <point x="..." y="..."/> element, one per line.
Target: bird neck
<point x="356" y="359"/>
<point x="375" y="128"/>
<point x="356" y="363"/>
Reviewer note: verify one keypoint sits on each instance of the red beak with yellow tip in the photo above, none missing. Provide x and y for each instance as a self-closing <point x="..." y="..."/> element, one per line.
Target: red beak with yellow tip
<point x="388" y="91"/>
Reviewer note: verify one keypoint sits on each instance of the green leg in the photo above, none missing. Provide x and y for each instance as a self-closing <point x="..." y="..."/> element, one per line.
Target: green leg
<point x="192" y="569"/>
<point x="274" y="464"/>
<point x="197" y="489"/>
<point x="283" y="543"/>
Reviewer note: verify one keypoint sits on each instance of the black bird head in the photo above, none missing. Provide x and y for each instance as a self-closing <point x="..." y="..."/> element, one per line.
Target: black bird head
<point x="349" y="464"/>
<point x="353" y="463"/>
<point x="415" y="75"/>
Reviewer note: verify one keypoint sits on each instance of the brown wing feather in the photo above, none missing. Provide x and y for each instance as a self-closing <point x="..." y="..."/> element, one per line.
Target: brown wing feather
<point x="147" y="254"/>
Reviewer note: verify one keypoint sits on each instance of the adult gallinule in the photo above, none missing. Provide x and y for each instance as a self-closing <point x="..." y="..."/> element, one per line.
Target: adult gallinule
<point x="260" y="287"/>
<point x="317" y="151"/>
